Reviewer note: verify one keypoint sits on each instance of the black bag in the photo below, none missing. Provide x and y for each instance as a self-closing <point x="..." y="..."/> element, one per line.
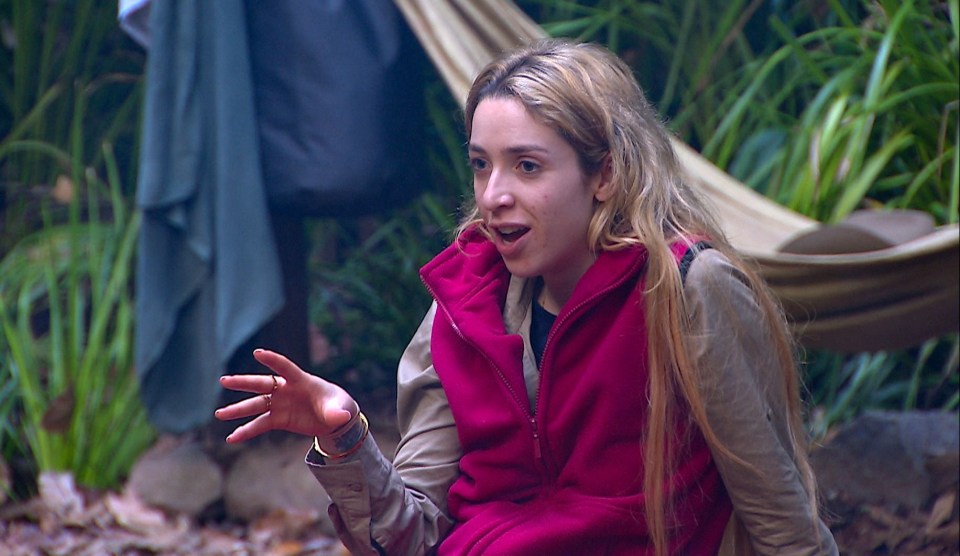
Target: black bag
<point x="340" y="106"/>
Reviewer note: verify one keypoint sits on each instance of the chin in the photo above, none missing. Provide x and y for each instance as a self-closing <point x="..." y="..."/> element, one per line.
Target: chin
<point x="520" y="270"/>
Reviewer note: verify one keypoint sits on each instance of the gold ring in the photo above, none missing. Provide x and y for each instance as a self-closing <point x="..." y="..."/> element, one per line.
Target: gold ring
<point x="267" y="398"/>
<point x="275" y="383"/>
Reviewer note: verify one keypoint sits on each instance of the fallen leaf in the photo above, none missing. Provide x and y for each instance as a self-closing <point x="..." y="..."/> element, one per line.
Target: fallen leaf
<point x="131" y="513"/>
<point x="286" y="548"/>
<point x="942" y="510"/>
<point x="218" y="542"/>
<point x="59" y="494"/>
<point x="282" y="524"/>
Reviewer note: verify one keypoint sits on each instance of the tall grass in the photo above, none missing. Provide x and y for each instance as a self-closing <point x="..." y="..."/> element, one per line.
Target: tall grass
<point x="51" y="53"/>
<point x="879" y="126"/>
<point x="70" y="90"/>
<point x="67" y="321"/>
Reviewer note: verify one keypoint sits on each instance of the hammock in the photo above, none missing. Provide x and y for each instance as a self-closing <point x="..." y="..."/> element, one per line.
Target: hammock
<point x="893" y="297"/>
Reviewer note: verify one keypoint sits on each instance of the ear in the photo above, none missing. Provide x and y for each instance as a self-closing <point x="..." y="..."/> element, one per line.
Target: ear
<point x="603" y="188"/>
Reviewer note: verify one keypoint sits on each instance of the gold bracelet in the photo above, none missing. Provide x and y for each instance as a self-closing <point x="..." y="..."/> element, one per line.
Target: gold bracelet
<point x="353" y="448"/>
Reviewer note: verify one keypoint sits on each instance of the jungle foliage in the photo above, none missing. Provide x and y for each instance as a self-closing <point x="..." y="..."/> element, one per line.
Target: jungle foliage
<point x="824" y="105"/>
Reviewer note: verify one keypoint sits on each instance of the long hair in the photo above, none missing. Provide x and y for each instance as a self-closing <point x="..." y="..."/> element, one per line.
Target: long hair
<point x="591" y="98"/>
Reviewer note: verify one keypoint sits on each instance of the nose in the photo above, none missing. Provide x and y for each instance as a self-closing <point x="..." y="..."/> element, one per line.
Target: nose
<point x="494" y="192"/>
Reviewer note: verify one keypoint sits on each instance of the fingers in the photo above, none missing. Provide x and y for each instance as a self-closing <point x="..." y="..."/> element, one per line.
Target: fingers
<point x="291" y="400"/>
<point x="255" y="384"/>
<point x="279" y="364"/>
<point x="245" y="408"/>
<point x="265" y="384"/>
<point x="249" y="430"/>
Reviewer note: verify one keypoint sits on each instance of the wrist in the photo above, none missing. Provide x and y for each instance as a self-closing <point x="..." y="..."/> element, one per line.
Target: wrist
<point x="344" y="441"/>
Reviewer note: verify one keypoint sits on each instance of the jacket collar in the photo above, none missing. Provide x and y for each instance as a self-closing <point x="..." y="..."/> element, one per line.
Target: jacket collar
<point x="470" y="278"/>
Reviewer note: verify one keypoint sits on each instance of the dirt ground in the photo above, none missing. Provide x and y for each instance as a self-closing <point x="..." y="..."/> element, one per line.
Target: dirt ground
<point x="77" y="522"/>
<point x="877" y="530"/>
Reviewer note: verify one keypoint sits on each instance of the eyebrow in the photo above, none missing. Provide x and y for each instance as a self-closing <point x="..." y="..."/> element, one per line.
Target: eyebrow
<point x="515" y="149"/>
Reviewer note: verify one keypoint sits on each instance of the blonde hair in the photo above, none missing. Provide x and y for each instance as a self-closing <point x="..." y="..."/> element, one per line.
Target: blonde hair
<point x="591" y="98"/>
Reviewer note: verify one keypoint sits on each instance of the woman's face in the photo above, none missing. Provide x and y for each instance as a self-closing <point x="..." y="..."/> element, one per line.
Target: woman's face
<point x="532" y="194"/>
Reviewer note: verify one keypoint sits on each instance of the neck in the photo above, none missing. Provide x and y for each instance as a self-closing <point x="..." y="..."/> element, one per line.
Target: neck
<point x="549" y="300"/>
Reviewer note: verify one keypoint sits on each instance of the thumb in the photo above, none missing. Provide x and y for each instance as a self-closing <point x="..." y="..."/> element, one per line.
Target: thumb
<point x="336" y="417"/>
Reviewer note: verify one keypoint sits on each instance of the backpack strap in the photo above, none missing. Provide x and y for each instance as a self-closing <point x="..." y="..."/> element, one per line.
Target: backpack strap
<point x="687" y="255"/>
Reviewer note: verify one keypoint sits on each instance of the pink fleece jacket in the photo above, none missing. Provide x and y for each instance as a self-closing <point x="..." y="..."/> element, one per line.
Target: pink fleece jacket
<point x="565" y="477"/>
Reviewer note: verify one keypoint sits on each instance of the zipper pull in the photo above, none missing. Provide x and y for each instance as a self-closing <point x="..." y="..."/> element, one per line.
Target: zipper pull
<point x="537" y="453"/>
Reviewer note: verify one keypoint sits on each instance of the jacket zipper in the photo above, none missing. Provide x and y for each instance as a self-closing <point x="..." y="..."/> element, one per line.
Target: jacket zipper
<point x="521" y="402"/>
<point x="567" y="317"/>
<point x="553" y="332"/>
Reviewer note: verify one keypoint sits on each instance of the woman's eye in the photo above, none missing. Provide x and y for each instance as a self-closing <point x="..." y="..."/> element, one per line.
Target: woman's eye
<point x="478" y="164"/>
<point x="528" y="167"/>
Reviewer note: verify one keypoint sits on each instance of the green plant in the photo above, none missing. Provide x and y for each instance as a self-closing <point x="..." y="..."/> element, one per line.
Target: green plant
<point x="878" y="124"/>
<point x="52" y="55"/>
<point x="919" y="378"/>
<point x="11" y="442"/>
<point x="67" y="319"/>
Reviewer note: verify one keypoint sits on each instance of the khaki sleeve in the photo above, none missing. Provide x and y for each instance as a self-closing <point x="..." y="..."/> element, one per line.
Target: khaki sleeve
<point x="399" y="507"/>
<point x="746" y="407"/>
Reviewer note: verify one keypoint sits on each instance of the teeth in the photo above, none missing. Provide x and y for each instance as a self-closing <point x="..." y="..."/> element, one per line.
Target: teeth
<point x="507" y="230"/>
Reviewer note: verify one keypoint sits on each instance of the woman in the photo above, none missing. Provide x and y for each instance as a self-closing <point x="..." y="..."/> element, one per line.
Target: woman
<point x="598" y="374"/>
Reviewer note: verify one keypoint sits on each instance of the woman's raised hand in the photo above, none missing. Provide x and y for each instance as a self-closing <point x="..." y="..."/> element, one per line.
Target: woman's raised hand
<point x="291" y="400"/>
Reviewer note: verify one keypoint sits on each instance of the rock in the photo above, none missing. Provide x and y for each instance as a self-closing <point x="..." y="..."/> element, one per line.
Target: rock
<point x="177" y="475"/>
<point x="271" y="476"/>
<point x="902" y="459"/>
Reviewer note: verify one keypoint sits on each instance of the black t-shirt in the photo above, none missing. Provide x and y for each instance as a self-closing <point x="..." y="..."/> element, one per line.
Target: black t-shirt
<point x="540" y="326"/>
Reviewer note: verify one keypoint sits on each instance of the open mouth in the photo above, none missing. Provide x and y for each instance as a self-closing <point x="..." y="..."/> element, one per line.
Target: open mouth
<point x="510" y="234"/>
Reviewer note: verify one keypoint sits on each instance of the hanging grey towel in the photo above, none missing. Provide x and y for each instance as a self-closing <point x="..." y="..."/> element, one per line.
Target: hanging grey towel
<point x="207" y="275"/>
